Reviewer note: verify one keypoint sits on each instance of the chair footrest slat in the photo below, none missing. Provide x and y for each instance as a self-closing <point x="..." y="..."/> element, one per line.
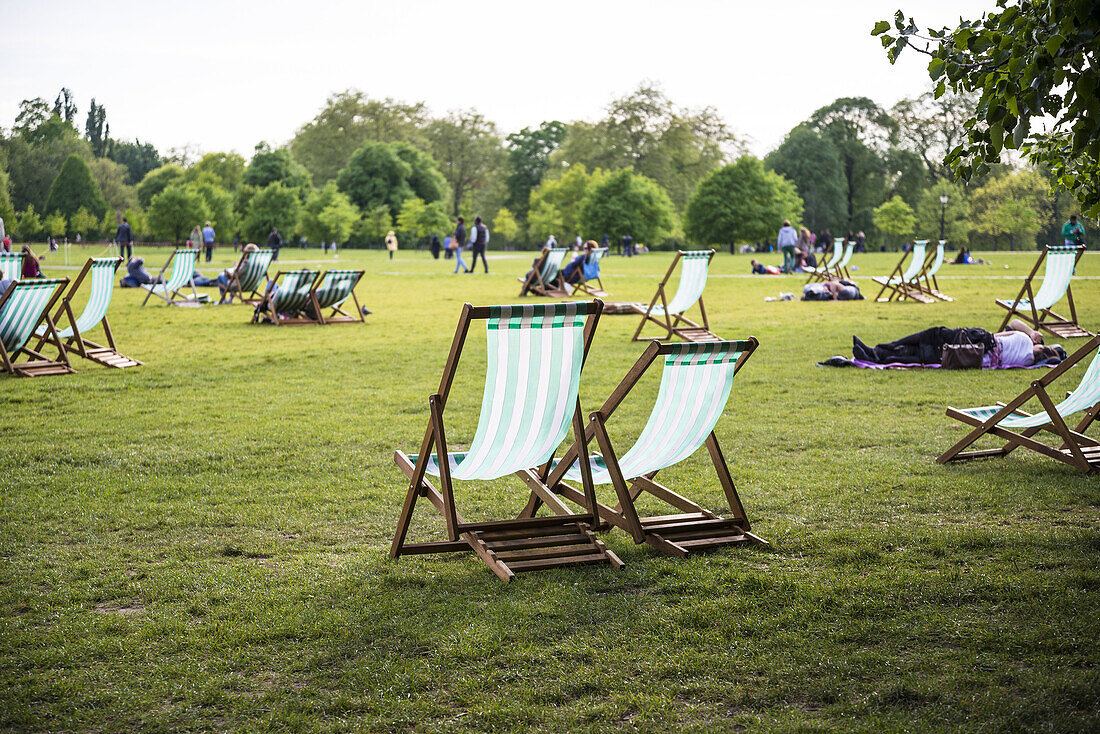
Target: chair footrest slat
<point x="594" y="556"/>
<point x="532" y="524"/>
<point x="717" y="523"/>
<point x="662" y="519"/>
<point x="527" y="542"/>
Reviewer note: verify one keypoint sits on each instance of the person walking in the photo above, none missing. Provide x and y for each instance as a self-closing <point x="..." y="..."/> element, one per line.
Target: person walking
<point x="124" y="236"/>
<point x="434" y="247"/>
<point x="786" y="242"/>
<point x="627" y="245"/>
<point x="274" y="242"/>
<point x="458" y="241"/>
<point x="195" y="240"/>
<point x="391" y="243"/>
<point x="479" y="240"/>
<point x="1072" y="232"/>
<point x="208" y="240"/>
<point x="551" y="242"/>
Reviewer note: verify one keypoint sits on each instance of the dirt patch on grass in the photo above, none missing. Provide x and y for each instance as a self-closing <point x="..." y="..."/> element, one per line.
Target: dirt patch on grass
<point x="123" y="608"/>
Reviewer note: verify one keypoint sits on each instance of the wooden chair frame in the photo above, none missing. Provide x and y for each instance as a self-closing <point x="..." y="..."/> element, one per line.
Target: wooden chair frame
<point x="1078" y="450"/>
<point x="903" y="289"/>
<point x="926" y="278"/>
<point x="233" y="287"/>
<point x="271" y="315"/>
<point x="505" y="546"/>
<point x="826" y="270"/>
<point x="170" y="297"/>
<point x="37" y="364"/>
<point x="1045" y="319"/>
<point x="693" y="331"/>
<point x="533" y="282"/>
<point x="344" y="317"/>
<point x="694" y="527"/>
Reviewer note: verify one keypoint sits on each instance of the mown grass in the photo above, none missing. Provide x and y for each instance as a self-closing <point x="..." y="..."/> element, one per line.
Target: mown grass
<point x="200" y="543"/>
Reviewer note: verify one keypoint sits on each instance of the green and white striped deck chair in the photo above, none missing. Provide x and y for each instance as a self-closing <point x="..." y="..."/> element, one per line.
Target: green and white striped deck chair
<point x="901" y="285"/>
<point x="11" y="265"/>
<point x="1017" y="428"/>
<point x="102" y="271"/>
<point x="669" y="315"/>
<point x="182" y="263"/>
<point x="591" y="286"/>
<point x="330" y="292"/>
<point x="826" y="271"/>
<point x="545" y="277"/>
<point x="695" y="386"/>
<point x="535" y="354"/>
<point x="927" y="278"/>
<point x="250" y="272"/>
<point x="25" y="306"/>
<point x="841" y="269"/>
<point x="1035" y="308"/>
<point x="286" y="298"/>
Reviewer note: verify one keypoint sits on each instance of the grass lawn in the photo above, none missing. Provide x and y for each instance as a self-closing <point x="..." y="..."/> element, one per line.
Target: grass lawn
<point x="200" y="543"/>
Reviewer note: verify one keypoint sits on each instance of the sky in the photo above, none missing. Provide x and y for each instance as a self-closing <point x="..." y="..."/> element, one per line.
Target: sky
<point x="225" y="75"/>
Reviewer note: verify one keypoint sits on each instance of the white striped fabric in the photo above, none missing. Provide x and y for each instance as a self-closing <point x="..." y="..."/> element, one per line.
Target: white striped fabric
<point x="23" y="310"/>
<point x="552" y="264"/>
<point x="335" y="287"/>
<point x="695" y="386"/>
<point x="293" y="294"/>
<point x="693" y="279"/>
<point x="531" y="382"/>
<point x="11" y="265"/>
<point x="939" y="259"/>
<point x="254" y="269"/>
<point x="1084" y="397"/>
<point x="596" y="255"/>
<point x="183" y="267"/>
<point x="916" y="262"/>
<point x="1056" y="276"/>
<point x="103" y="286"/>
<point x="847" y="255"/>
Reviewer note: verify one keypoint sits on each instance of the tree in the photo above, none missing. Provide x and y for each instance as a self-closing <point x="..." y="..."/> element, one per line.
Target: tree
<point x="28" y="224"/>
<point x="55" y="225"/>
<point x="157" y="181"/>
<point x="555" y="205"/>
<point x="219" y="206"/>
<point x="895" y="217"/>
<point x="174" y="211"/>
<point x="225" y="170"/>
<point x="96" y="129"/>
<point x="374" y="225"/>
<point x="931" y="127"/>
<point x="75" y="188"/>
<point x="1012" y="206"/>
<point x="138" y="157"/>
<point x="86" y="223"/>
<point x="328" y="215"/>
<point x="529" y="160"/>
<point x="1029" y="61"/>
<point x="812" y="163"/>
<point x="505" y="225"/>
<point x="956" y="214"/>
<point x="740" y="202"/>
<point x="275" y="205"/>
<point x="64" y="107"/>
<point x="628" y="203"/>
<point x="7" y="211"/>
<point x="424" y="178"/>
<point x="349" y="119"/>
<point x="36" y="151"/>
<point x="468" y="150"/>
<point x="386" y="174"/>
<point x="276" y="165"/>
<point x="111" y="179"/>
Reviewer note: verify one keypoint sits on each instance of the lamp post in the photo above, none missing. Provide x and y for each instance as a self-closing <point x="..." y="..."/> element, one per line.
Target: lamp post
<point x="943" y="210"/>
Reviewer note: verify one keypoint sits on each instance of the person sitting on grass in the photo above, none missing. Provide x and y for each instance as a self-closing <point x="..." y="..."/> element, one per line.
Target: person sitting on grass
<point x="1018" y="346"/>
<point x="137" y="275"/>
<point x="758" y="268"/>
<point x="228" y="274"/>
<point x="31" y="267"/>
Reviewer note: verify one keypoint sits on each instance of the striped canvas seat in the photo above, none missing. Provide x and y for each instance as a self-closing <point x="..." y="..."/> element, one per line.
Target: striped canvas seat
<point x="252" y="272"/>
<point x="696" y="381"/>
<point x="825" y="271"/>
<point x="331" y="292"/>
<point x="286" y="297"/>
<point x="534" y="356"/>
<point x="905" y="285"/>
<point x="916" y="262"/>
<point x="23" y="307"/>
<point x="669" y="314"/>
<point x="543" y="280"/>
<point x="11" y="265"/>
<point x="1036" y="308"/>
<point x="182" y="263"/>
<point x="930" y="285"/>
<point x="551" y="266"/>
<point x="102" y="271"/>
<point x="1017" y="427"/>
<point x="693" y="279"/>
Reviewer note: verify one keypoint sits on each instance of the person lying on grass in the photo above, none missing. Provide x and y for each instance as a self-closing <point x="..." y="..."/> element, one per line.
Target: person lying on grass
<point x="1018" y="346"/>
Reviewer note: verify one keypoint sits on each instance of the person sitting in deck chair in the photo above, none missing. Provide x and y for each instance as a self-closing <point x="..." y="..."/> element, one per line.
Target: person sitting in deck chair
<point x="534" y="264"/>
<point x="227" y="275"/>
<point x="1019" y="346"/>
<point x="571" y="273"/>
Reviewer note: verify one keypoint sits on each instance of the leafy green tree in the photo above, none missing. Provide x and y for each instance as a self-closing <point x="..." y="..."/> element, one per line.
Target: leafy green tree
<point x="505" y="225"/>
<point x="374" y="225"/>
<point x="86" y="223"/>
<point x="75" y="188"/>
<point x="349" y="119"/>
<point x="931" y="127"/>
<point x="35" y="153"/>
<point x="328" y="215"/>
<point x="740" y="202"/>
<point x="96" y="129"/>
<point x="275" y="205"/>
<point x="386" y="174"/>
<point x="64" y="107"/>
<point x="138" y="157"/>
<point x="55" y="225"/>
<point x="895" y="218"/>
<point x="136" y="219"/>
<point x="424" y="178"/>
<point x="956" y="214"/>
<point x="556" y="203"/>
<point x="219" y="207"/>
<point x="225" y="170"/>
<point x="469" y="152"/>
<point x="1012" y="207"/>
<point x="529" y="160"/>
<point x="157" y="181"/>
<point x="628" y="203"/>
<point x="1029" y="61"/>
<point x="276" y="165"/>
<point x="812" y="163"/>
<point x="28" y="224"/>
<point x="111" y="179"/>
<point x="174" y="211"/>
<point x="7" y="210"/>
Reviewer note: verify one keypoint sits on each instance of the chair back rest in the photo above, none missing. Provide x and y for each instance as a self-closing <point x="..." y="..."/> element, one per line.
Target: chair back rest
<point x="596" y="255"/>
<point x="103" y="287"/>
<point x="1057" y="275"/>
<point x="836" y="254"/>
<point x="336" y="287"/>
<point x="532" y="375"/>
<point x="939" y="259"/>
<point x="916" y="263"/>
<point x="22" y="311"/>
<point x="183" y="267"/>
<point x="694" y="265"/>
<point x="11" y="265"/>
<point x="1084" y="397"/>
<point x="551" y="264"/>
<point x="254" y="269"/>
<point x="848" y="250"/>
<point x="293" y="294"/>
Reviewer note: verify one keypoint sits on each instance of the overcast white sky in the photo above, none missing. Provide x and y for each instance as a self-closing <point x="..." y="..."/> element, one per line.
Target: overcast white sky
<point x="226" y="74"/>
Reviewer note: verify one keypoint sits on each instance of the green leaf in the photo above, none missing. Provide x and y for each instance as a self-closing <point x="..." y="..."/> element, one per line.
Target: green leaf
<point x="1053" y="44"/>
<point x="935" y="68"/>
<point x="881" y="27"/>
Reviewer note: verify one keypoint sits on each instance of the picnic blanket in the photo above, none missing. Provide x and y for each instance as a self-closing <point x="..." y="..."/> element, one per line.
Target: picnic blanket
<point x="841" y="361"/>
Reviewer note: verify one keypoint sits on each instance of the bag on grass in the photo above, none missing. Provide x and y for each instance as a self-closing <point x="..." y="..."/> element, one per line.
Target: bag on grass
<point x="962" y="356"/>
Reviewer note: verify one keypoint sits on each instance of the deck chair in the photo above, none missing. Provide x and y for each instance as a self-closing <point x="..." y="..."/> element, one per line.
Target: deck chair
<point x="25" y="306"/>
<point x="286" y="296"/>
<point x="669" y="315"/>
<point x="1017" y="428"/>
<point x="11" y="265"/>
<point x="1035" y="308"/>
<point x="840" y="270"/>
<point x="545" y="278"/>
<point x="926" y="281"/>
<point x="695" y="386"/>
<point x="251" y="269"/>
<point x="182" y="263"/>
<point x="535" y="357"/>
<point x="330" y="292"/>
<point x="902" y="285"/>
<point x="827" y="271"/>
<point x="591" y="286"/>
<point x="103" y="271"/>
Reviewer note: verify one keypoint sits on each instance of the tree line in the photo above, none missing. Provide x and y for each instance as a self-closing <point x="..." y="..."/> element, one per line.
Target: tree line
<point x="668" y="176"/>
